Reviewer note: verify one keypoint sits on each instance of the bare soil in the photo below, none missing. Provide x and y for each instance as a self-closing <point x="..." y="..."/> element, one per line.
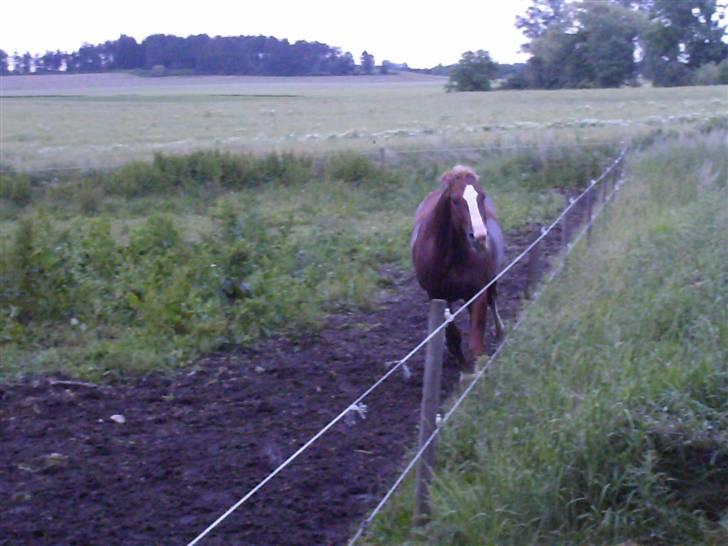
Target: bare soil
<point x="156" y="459"/>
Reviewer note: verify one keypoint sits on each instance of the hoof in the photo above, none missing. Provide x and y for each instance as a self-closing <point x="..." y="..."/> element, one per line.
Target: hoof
<point x="468" y="373"/>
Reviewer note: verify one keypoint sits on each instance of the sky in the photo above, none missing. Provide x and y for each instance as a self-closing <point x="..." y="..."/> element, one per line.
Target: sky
<point x="420" y="33"/>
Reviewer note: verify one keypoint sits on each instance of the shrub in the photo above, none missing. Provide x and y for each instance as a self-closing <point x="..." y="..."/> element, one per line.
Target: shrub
<point x="350" y="167"/>
<point x="170" y="172"/>
<point x="15" y="188"/>
<point x="90" y="195"/>
<point x="712" y="74"/>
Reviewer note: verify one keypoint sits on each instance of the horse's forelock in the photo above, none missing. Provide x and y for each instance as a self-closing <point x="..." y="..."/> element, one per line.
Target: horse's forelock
<point x="458" y="171"/>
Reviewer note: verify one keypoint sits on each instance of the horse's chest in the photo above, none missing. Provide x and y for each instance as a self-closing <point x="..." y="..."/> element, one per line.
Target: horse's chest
<point x="457" y="282"/>
<point x="465" y="279"/>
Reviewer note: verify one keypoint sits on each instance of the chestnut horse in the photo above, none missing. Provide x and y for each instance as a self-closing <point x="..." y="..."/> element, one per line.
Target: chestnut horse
<point x="457" y="248"/>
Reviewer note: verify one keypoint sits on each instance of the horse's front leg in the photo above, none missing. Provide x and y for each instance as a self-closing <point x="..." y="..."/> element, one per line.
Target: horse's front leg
<point x="454" y="345"/>
<point x="493" y="303"/>
<point x="478" y="320"/>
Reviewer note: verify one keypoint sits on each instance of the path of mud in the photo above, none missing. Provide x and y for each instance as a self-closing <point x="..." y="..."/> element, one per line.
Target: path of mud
<point x="191" y="444"/>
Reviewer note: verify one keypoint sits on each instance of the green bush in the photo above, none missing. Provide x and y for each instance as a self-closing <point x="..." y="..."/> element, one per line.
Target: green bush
<point x="350" y="167"/>
<point x="712" y="74"/>
<point x="549" y="167"/>
<point x="161" y="299"/>
<point x="156" y="293"/>
<point x="90" y="196"/>
<point x="194" y="171"/>
<point x="15" y="188"/>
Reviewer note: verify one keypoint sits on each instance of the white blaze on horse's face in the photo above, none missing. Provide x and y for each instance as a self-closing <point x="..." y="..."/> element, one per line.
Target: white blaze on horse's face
<point x="480" y="234"/>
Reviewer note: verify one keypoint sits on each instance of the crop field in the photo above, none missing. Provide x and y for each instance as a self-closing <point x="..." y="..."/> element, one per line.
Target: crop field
<point x="102" y="121"/>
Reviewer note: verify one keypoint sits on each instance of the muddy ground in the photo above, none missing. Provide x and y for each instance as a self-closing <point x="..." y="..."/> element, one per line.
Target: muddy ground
<point x="156" y="460"/>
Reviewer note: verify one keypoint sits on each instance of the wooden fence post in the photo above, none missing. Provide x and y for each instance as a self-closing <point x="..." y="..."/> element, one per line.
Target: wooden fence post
<point x="589" y="212"/>
<point x="533" y="265"/>
<point x="565" y="224"/>
<point x="428" y="411"/>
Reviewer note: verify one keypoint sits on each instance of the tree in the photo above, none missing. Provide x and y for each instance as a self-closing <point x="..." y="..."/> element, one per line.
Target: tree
<point x="367" y="62"/>
<point x="49" y="62"/>
<point x="610" y="32"/>
<point x="3" y="63"/>
<point x="22" y="64"/>
<point x="582" y="44"/>
<point x="89" y="58"/>
<point x="128" y="54"/>
<point x="201" y="54"/>
<point x="473" y="72"/>
<point x="541" y="16"/>
<point x="679" y="38"/>
<point x="344" y="64"/>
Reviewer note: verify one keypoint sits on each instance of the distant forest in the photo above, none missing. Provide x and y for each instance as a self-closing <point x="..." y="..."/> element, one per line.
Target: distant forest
<point x="571" y="44"/>
<point x="200" y="54"/>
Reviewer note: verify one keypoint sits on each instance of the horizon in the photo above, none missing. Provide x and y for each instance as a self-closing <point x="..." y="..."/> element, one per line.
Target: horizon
<point x="388" y="31"/>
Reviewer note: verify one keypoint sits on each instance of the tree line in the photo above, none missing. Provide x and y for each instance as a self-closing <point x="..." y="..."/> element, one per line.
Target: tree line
<point x="200" y="54"/>
<point x="609" y="43"/>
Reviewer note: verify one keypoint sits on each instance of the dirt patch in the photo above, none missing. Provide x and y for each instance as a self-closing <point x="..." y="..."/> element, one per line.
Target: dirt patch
<point x="158" y="459"/>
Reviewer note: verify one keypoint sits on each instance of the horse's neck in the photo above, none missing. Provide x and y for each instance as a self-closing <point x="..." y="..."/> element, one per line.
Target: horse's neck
<point x="446" y="243"/>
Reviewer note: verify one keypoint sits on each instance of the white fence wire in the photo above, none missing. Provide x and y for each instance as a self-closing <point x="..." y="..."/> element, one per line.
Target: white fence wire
<point x="449" y="318"/>
<point x="418" y="455"/>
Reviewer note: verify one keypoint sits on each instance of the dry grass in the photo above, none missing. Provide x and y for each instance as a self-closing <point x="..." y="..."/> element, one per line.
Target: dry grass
<point x="103" y="120"/>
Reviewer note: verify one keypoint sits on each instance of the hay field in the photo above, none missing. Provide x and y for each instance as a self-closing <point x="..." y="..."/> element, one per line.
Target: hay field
<point x="104" y="120"/>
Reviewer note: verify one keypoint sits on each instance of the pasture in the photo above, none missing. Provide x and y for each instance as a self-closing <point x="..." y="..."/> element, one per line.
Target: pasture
<point x="133" y="259"/>
<point x="102" y="121"/>
<point x="148" y="222"/>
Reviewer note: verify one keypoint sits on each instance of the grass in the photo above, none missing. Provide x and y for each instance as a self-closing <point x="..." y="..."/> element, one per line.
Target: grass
<point x="51" y="122"/>
<point x="147" y="266"/>
<point x="606" y="419"/>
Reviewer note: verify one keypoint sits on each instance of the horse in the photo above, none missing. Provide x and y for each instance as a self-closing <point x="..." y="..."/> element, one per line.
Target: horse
<point x="457" y="248"/>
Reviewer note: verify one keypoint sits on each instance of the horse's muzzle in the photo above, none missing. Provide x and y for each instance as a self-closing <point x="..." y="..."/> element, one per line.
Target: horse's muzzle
<point x="479" y="243"/>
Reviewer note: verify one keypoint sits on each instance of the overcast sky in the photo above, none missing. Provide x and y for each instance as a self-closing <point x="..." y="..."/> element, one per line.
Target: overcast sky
<point x="420" y="33"/>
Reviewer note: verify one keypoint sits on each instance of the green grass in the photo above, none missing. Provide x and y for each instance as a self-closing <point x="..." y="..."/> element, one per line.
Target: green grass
<point x="150" y="265"/>
<point x="606" y="418"/>
<point x="106" y="120"/>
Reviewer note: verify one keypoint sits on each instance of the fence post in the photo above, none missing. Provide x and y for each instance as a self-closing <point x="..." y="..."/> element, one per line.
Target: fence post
<point x="532" y="272"/>
<point x="565" y="224"/>
<point x="382" y="156"/>
<point x="589" y="212"/>
<point x="428" y="411"/>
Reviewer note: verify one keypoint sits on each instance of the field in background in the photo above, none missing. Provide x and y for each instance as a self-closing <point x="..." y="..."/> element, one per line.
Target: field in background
<point x="104" y="120"/>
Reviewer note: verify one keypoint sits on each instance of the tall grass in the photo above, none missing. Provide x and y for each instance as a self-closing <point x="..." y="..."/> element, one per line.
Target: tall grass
<point x="147" y="266"/>
<point x="606" y="419"/>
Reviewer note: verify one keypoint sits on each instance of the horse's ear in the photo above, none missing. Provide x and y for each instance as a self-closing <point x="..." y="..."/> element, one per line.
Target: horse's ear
<point x="446" y="179"/>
